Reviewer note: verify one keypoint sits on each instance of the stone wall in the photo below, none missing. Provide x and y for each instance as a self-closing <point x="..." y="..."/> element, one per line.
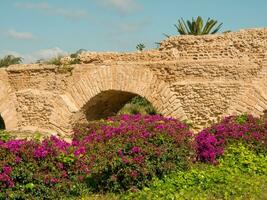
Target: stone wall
<point x="194" y="78"/>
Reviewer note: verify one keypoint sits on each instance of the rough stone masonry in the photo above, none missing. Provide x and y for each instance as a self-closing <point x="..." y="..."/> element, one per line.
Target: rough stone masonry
<point x="194" y="78"/>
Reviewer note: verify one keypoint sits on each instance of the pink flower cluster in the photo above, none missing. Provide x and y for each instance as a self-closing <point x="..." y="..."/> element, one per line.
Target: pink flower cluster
<point x="5" y="179"/>
<point x="245" y="128"/>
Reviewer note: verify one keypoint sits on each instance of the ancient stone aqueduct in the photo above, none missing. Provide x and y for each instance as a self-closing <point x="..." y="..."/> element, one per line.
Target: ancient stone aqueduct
<point x="198" y="78"/>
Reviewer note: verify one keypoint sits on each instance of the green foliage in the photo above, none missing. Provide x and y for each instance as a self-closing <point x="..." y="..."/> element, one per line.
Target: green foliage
<point x="197" y="27"/>
<point x="54" y="61"/>
<point x="137" y="105"/>
<point x="5" y="136"/>
<point x="241" y="119"/>
<point x="241" y="174"/>
<point x="140" y="47"/>
<point x="138" y="100"/>
<point x="37" y="136"/>
<point x="10" y="60"/>
<point x="57" y="60"/>
<point x="66" y="159"/>
<point x="75" y="55"/>
<point x="29" y="186"/>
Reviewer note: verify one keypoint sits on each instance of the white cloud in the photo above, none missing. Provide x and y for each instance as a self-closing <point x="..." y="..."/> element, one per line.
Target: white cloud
<point x="51" y="10"/>
<point x="123" y="6"/>
<point x="20" y="35"/>
<point x="37" y="55"/>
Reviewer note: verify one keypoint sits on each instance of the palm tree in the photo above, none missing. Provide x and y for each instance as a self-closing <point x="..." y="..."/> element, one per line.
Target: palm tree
<point x="10" y="60"/>
<point x="197" y="27"/>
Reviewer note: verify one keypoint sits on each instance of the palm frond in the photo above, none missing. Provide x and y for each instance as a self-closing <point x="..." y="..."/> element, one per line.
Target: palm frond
<point x="197" y="26"/>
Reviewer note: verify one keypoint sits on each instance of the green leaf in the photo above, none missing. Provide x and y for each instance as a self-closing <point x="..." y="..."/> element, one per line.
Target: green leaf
<point x="29" y="186"/>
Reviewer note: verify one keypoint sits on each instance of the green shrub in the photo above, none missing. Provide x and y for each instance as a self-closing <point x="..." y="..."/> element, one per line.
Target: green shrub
<point x="10" y="60"/>
<point x="241" y="174"/>
<point x="138" y="105"/>
<point x="5" y="136"/>
<point x="54" y="61"/>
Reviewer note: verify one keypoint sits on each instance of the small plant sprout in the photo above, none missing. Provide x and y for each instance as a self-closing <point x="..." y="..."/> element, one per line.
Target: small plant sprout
<point x="140" y="47"/>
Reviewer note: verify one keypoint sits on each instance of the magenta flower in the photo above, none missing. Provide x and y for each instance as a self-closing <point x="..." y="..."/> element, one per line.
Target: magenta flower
<point x="79" y="151"/>
<point x="18" y="159"/>
<point x="136" y="149"/>
<point x="40" y="152"/>
<point x="7" y="169"/>
<point x="134" y="174"/>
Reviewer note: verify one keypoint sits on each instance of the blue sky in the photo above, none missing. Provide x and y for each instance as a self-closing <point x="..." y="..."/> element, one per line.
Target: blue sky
<point x="37" y="29"/>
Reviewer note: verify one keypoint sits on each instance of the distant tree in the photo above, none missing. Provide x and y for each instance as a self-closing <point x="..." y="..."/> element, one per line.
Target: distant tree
<point x="40" y="61"/>
<point x="10" y="60"/>
<point x="75" y="55"/>
<point x="76" y="59"/>
<point x="140" y="47"/>
<point x="197" y="27"/>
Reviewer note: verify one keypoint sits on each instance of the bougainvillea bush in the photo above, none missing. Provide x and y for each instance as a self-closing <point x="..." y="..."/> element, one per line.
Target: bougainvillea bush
<point x="121" y="153"/>
<point x="126" y="152"/>
<point x="37" y="169"/>
<point x="247" y="129"/>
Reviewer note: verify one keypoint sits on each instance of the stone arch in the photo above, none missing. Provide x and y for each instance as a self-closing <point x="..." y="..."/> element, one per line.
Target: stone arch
<point x="7" y="108"/>
<point x="123" y="82"/>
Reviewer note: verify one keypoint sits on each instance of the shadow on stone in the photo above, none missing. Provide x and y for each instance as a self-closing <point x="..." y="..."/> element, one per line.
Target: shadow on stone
<point x="2" y="123"/>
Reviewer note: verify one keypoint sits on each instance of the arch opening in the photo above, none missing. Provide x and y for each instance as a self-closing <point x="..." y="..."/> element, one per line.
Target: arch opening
<point x="112" y="102"/>
<point x="2" y="123"/>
